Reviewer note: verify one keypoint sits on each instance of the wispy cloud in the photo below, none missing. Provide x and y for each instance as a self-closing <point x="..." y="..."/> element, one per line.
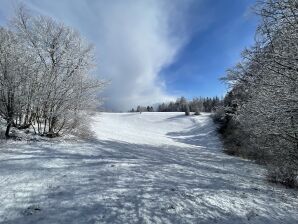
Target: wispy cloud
<point x="134" y="40"/>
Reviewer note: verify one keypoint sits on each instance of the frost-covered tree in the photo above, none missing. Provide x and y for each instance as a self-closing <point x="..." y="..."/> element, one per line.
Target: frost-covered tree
<point x="11" y="77"/>
<point x="45" y="74"/>
<point x="186" y="109"/>
<point x="263" y="101"/>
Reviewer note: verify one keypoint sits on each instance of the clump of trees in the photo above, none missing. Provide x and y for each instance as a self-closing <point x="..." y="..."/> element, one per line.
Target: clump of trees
<point x="260" y="114"/>
<point x="142" y="109"/>
<point x="44" y="75"/>
<point x="196" y="105"/>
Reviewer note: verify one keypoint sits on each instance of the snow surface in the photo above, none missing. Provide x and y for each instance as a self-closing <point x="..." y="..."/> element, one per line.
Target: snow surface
<point x="141" y="168"/>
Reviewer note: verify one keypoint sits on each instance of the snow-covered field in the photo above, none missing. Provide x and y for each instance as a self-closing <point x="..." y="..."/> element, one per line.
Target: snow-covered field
<point x="141" y="168"/>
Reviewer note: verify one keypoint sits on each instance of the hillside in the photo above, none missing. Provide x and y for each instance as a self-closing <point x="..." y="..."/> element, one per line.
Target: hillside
<point x="140" y="168"/>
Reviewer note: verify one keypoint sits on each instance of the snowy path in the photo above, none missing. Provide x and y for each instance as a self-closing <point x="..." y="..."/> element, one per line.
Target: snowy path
<point x="142" y="168"/>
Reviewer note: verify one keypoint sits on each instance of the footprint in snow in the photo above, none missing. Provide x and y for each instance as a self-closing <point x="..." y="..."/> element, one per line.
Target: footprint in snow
<point x="251" y="214"/>
<point x="31" y="210"/>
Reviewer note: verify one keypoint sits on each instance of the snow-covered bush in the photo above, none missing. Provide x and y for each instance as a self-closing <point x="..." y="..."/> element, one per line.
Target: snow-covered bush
<point x="197" y="113"/>
<point x="187" y="110"/>
<point x="79" y="126"/>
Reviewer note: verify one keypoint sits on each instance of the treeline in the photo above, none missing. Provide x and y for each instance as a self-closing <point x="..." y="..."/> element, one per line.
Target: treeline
<point x="259" y="119"/>
<point x="44" y="81"/>
<point x="196" y="105"/>
<point x="143" y="109"/>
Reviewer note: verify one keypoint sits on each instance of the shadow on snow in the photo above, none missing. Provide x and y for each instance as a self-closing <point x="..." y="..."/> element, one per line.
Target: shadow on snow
<point x="119" y="182"/>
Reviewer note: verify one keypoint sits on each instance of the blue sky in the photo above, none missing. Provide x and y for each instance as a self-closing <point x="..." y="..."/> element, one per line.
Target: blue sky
<point x="155" y="50"/>
<point x="230" y="27"/>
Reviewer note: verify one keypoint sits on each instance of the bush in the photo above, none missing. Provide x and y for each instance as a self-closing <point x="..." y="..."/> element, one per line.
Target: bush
<point x="80" y="126"/>
<point x="197" y="113"/>
<point x="282" y="174"/>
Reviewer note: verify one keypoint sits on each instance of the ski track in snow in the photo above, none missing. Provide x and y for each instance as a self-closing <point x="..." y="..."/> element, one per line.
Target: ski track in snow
<point x="141" y="168"/>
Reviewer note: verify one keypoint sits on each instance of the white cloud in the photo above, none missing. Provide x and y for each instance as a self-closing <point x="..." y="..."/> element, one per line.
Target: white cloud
<point x="134" y="40"/>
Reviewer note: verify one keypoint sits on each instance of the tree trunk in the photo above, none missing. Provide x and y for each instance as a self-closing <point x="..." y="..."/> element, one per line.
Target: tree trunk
<point x="7" y="129"/>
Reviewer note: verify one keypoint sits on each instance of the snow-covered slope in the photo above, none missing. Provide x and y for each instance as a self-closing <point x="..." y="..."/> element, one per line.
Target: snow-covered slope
<point x="141" y="168"/>
<point x="144" y="128"/>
